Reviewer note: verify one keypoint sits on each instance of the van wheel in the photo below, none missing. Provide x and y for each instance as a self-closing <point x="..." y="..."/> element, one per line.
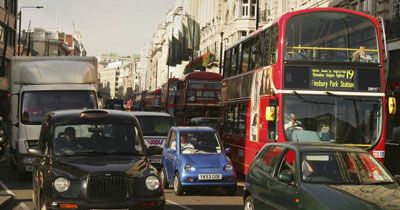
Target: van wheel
<point x="178" y="189"/>
<point x="164" y="181"/>
<point x="248" y="203"/>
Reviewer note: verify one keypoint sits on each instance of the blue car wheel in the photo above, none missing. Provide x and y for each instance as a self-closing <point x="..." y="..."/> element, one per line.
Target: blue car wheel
<point x="178" y="189"/>
<point x="163" y="177"/>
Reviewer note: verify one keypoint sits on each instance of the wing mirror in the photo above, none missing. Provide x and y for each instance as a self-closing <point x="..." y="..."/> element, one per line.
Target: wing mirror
<point x="285" y="177"/>
<point x="36" y="152"/>
<point x="392" y="105"/>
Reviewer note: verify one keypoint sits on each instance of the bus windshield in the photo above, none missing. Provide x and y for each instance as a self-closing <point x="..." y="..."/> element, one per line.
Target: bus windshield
<point x="331" y="36"/>
<point x="336" y="119"/>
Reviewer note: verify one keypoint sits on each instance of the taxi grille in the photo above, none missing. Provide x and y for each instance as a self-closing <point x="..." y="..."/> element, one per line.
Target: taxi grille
<point x="107" y="188"/>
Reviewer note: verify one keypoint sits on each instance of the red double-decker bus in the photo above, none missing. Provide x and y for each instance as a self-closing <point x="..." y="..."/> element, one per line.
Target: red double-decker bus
<point x="168" y="95"/>
<point x="139" y="100"/>
<point x="198" y="95"/>
<point x="314" y="75"/>
<point x="153" y="100"/>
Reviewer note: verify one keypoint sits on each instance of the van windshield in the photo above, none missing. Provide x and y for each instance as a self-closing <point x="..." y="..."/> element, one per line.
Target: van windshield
<point x="155" y="125"/>
<point x="36" y="104"/>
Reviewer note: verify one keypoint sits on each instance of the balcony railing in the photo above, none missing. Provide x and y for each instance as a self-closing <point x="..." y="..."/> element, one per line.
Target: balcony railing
<point x="393" y="28"/>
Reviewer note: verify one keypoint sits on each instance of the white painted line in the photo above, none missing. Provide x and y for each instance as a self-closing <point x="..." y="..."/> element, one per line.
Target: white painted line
<point x="6" y="188"/>
<point x="182" y="206"/>
<point x="23" y="205"/>
<point x="3" y="159"/>
<point x="240" y="184"/>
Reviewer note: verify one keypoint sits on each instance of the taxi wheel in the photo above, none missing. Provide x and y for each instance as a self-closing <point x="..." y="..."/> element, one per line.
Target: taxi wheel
<point x="163" y="177"/>
<point x="248" y="203"/>
<point x="41" y="203"/>
<point x="178" y="189"/>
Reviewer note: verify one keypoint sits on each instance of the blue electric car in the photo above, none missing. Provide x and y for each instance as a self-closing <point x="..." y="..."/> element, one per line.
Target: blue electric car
<point x="193" y="157"/>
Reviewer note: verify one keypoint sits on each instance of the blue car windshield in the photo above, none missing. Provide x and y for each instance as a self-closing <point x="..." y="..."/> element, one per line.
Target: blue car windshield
<point x="199" y="142"/>
<point x="342" y="168"/>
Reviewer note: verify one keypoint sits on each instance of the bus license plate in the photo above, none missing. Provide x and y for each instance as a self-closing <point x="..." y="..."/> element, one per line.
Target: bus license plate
<point x="210" y="176"/>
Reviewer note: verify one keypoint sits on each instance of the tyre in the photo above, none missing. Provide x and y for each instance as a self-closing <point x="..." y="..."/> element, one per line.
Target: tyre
<point x="164" y="181"/>
<point x="230" y="191"/>
<point x="41" y="203"/>
<point x="248" y="203"/>
<point x="178" y="189"/>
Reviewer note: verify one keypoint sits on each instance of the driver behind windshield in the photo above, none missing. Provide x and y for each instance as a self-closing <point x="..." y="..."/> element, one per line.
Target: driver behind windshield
<point x="67" y="142"/>
<point x="199" y="142"/>
<point x="293" y="123"/>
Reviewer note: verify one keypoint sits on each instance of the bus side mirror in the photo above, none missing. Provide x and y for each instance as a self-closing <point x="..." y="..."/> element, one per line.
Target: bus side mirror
<point x="392" y="105"/>
<point x="270" y="113"/>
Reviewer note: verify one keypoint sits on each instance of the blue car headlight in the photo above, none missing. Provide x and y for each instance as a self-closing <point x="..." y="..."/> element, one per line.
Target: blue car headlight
<point x="228" y="168"/>
<point x="189" y="168"/>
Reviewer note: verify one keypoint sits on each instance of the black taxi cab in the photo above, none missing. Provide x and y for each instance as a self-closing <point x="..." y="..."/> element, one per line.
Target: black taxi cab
<point x="93" y="159"/>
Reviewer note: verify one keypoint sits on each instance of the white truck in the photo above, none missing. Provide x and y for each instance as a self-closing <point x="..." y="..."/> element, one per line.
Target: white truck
<point x="41" y="85"/>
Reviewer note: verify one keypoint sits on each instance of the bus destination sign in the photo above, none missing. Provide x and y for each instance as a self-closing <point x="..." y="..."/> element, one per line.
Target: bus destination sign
<point x="332" y="79"/>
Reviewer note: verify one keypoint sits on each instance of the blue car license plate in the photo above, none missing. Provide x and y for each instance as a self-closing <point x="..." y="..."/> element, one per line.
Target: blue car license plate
<point x="210" y="176"/>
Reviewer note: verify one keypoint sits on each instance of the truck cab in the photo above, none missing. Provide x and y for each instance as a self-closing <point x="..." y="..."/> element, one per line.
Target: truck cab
<point x="41" y="85"/>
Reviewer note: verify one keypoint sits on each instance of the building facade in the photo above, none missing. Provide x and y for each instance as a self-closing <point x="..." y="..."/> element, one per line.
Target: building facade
<point x="8" y="23"/>
<point x="118" y="76"/>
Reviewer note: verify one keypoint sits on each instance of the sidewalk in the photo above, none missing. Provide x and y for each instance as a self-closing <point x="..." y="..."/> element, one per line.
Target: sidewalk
<point x="5" y="199"/>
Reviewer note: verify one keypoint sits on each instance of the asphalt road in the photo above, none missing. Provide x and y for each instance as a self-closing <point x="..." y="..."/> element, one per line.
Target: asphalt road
<point x="199" y="200"/>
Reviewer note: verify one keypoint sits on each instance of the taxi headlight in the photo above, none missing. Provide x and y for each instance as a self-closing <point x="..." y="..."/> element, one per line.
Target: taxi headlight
<point x="228" y="167"/>
<point x="61" y="184"/>
<point x="152" y="183"/>
<point x="189" y="168"/>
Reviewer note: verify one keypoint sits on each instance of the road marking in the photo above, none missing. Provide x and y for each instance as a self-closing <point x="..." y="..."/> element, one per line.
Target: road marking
<point x="3" y="159"/>
<point x="22" y="204"/>
<point x="182" y="206"/>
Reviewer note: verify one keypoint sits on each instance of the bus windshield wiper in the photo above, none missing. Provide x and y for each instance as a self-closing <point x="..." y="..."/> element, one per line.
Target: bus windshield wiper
<point x="309" y="101"/>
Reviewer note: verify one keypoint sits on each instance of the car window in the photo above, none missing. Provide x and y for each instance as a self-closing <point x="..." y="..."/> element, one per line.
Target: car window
<point x="172" y="140"/>
<point x="200" y="142"/>
<point x="271" y="158"/>
<point x="155" y="125"/>
<point x="287" y="165"/>
<point x="343" y="168"/>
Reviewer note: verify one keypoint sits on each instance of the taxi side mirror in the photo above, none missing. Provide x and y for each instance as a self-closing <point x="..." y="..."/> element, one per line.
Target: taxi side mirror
<point x="392" y="105"/>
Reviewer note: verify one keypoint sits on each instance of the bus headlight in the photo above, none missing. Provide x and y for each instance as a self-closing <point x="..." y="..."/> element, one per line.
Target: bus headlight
<point x="152" y="183"/>
<point x="61" y="184"/>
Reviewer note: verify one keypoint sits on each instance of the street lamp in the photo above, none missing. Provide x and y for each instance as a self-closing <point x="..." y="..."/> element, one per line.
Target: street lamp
<point x="220" y="52"/>
<point x="19" y="21"/>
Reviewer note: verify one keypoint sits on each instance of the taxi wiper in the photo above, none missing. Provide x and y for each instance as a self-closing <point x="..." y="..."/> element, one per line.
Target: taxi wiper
<point x="91" y="152"/>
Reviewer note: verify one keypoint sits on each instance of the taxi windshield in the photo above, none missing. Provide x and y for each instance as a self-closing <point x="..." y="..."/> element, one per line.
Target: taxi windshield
<point x="199" y="142"/>
<point x="343" y="168"/>
<point x="97" y="139"/>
